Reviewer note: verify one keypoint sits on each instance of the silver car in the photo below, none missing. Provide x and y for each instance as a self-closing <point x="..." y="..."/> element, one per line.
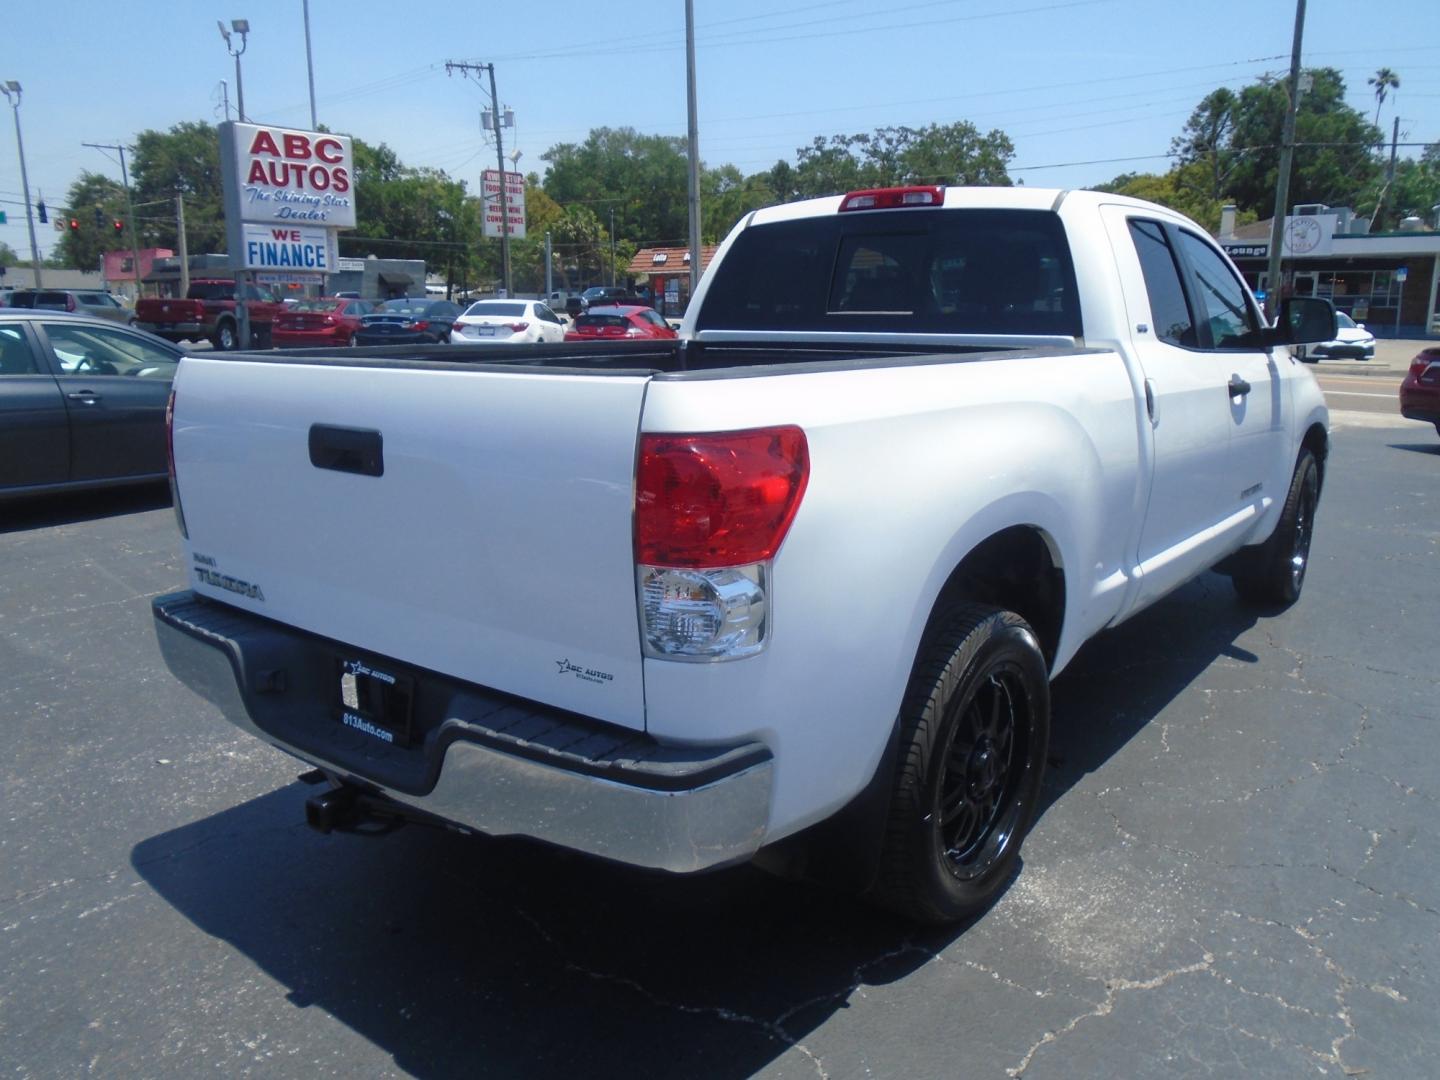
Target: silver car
<point x="94" y="302"/>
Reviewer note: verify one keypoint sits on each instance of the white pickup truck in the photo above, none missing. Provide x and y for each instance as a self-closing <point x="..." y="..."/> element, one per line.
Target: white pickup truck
<point x="790" y="589"/>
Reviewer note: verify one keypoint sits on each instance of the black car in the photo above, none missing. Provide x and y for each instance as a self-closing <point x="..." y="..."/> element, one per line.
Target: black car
<point x="82" y="402"/>
<point x="413" y="321"/>
<point x="610" y="294"/>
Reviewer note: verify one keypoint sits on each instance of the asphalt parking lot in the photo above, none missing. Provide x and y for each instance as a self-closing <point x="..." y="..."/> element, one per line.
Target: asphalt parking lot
<point x="1234" y="872"/>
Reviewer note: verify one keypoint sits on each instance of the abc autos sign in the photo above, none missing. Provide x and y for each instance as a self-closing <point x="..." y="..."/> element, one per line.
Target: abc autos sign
<point x="276" y="176"/>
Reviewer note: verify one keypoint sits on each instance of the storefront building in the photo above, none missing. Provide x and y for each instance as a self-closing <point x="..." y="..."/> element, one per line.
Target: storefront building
<point x="662" y="275"/>
<point x="1389" y="281"/>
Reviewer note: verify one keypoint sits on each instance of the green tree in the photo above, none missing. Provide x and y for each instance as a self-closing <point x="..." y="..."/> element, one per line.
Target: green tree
<point x="1413" y="192"/>
<point x="1237" y="138"/>
<point x="183" y="161"/>
<point x="82" y="250"/>
<point x="937" y="154"/>
<point x="1184" y="189"/>
<point x="7" y="255"/>
<point x="644" y="179"/>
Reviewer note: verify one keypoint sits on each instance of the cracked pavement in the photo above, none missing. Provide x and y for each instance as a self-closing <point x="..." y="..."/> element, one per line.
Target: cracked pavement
<point x="1233" y="873"/>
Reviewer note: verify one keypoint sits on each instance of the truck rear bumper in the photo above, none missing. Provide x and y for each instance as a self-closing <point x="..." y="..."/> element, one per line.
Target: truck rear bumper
<point x="481" y="759"/>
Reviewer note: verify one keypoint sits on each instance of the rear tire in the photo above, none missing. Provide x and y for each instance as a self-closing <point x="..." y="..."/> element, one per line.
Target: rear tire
<point x="1274" y="572"/>
<point x="225" y="339"/>
<point x="974" y="729"/>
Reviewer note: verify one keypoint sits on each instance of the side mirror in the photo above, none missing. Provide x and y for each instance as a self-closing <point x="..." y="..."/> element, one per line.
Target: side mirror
<point x="1305" y="320"/>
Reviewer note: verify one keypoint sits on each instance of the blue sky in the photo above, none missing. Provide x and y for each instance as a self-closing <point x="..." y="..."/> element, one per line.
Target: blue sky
<point x="1086" y="89"/>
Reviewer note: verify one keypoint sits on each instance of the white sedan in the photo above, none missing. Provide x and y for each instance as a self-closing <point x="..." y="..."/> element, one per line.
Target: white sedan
<point x="1352" y="340"/>
<point x="507" y="322"/>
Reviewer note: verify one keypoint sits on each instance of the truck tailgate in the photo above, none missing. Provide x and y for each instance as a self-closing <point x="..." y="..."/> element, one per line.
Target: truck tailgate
<point x="477" y="522"/>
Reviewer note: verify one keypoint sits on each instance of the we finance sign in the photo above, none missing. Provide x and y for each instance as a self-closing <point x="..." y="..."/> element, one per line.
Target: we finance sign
<point x="282" y="176"/>
<point x="288" y="248"/>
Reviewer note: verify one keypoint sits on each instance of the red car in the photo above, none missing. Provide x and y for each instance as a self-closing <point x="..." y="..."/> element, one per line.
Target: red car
<point x="330" y="320"/>
<point x="1420" y="392"/>
<point x="619" y="322"/>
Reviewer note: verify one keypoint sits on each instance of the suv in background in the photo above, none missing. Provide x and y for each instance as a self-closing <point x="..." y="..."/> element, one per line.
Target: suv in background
<point x="94" y="302"/>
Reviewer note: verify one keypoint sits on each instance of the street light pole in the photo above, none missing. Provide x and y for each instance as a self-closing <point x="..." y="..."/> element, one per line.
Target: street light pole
<point x="310" y="66"/>
<point x="694" y="145"/>
<point x="241" y="27"/>
<point x="13" y="87"/>
<point x="242" y="277"/>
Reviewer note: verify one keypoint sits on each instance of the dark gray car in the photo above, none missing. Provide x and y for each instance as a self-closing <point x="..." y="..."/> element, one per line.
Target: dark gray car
<point x="82" y="402"/>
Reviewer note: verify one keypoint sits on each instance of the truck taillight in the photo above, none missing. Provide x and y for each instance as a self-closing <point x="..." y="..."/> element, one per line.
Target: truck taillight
<point x="711" y="511"/>
<point x="170" y="458"/>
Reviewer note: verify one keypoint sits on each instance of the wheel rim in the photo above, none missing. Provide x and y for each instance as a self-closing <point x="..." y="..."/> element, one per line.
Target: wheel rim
<point x="977" y="800"/>
<point x="1300" y="546"/>
<point x="227" y="338"/>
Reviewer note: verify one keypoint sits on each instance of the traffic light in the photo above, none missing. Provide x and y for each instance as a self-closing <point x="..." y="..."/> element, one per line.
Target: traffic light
<point x="41" y="207"/>
<point x="75" y="225"/>
<point x="99" y="218"/>
<point x="119" y="226"/>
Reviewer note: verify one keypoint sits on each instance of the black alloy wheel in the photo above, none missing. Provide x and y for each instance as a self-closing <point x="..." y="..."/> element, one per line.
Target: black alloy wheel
<point x="1273" y="573"/>
<point x="974" y="729"/>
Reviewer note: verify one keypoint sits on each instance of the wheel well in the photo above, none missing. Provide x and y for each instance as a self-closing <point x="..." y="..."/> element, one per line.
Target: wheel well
<point x="1015" y="569"/>
<point x="1318" y="443"/>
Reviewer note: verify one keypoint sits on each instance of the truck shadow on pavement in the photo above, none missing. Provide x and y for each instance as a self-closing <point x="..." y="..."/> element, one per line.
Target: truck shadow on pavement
<point x="461" y="956"/>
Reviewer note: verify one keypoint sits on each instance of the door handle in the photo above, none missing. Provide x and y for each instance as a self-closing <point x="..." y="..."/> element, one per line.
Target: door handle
<point x="1238" y="387"/>
<point x="87" y="396"/>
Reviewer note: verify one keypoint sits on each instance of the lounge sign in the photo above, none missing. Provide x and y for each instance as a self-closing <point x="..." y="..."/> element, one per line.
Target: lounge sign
<point x="283" y="176"/>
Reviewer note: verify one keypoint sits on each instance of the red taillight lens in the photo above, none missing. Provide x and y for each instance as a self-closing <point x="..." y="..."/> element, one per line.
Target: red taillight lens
<point x="720" y="499"/>
<point x="518" y="327"/>
<point x="420" y="324"/>
<point x="458" y="327"/>
<point x="1422" y="362"/>
<point x="893" y="198"/>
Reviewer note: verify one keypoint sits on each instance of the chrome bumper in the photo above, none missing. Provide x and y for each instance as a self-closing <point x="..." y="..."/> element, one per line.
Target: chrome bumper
<point x="668" y="808"/>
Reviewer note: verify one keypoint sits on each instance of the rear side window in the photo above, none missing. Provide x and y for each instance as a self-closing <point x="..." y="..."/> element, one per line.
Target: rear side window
<point x="599" y="321"/>
<point x="16" y="358"/>
<point x="497" y="308"/>
<point x="922" y="271"/>
<point x="1168" y="309"/>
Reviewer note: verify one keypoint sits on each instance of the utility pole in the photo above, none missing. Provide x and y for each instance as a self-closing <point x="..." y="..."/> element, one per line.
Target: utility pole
<point x="549" y="268"/>
<point x="694" y="151"/>
<point x="465" y="69"/>
<point x="182" y="245"/>
<point x="1287" y="155"/>
<point x="9" y="88"/>
<point x="129" y="208"/>
<point x="310" y="65"/>
<point x="612" y="245"/>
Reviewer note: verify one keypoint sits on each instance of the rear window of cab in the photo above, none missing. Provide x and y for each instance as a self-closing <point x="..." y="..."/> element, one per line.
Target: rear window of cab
<point x="908" y="271"/>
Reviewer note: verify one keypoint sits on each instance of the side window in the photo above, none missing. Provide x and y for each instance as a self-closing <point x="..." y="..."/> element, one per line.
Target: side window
<point x="1226" y="307"/>
<point x="16" y="356"/>
<point x="92" y="350"/>
<point x="1168" y="309"/>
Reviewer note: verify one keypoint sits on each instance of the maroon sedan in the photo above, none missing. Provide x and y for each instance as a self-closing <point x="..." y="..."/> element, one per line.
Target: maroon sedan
<point x="1420" y="392"/>
<point x="330" y="320"/>
<point x="619" y="322"/>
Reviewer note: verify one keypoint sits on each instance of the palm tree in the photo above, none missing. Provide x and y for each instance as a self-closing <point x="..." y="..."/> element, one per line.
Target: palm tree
<point x="1383" y="81"/>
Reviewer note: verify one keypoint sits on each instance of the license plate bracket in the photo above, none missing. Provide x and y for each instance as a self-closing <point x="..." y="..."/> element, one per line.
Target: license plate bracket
<point x="374" y="700"/>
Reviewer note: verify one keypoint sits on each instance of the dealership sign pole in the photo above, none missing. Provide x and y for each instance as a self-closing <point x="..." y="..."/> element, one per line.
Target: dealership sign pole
<point x="287" y="194"/>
